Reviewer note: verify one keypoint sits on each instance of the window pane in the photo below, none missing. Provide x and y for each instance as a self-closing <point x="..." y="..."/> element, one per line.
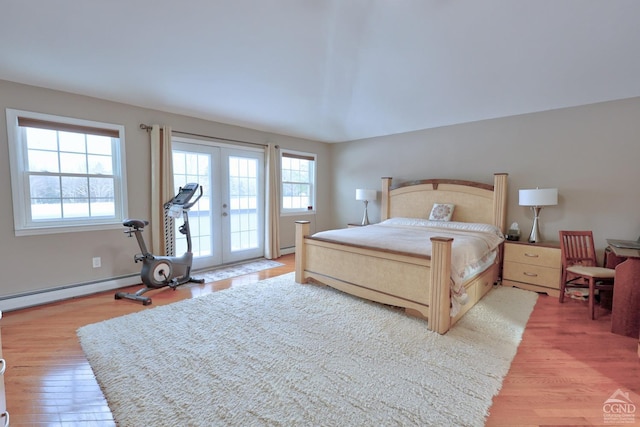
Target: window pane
<point x="75" y="208"/>
<point x="42" y="161"/>
<point x="45" y="197"/>
<point x="72" y="142"/>
<point x="101" y="188"/>
<point x="73" y="163"/>
<point x="101" y="208"/>
<point x="42" y="139"/>
<point x="286" y="163"/>
<point x="178" y="163"/>
<point x="75" y="188"/>
<point x="191" y="163"/>
<point x="203" y="165"/>
<point x="45" y="187"/>
<point x="101" y="197"/>
<point x="45" y="209"/>
<point x="99" y="145"/>
<point x="100" y="165"/>
<point x="252" y="169"/>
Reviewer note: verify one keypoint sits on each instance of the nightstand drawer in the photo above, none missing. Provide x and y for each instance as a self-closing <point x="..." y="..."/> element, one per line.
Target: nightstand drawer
<point x="532" y="255"/>
<point x="530" y="273"/>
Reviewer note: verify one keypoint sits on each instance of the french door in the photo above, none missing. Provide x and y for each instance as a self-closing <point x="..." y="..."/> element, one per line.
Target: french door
<point x="227" y="223"/>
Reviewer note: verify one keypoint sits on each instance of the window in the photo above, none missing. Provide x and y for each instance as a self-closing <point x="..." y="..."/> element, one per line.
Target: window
<point x="298" y="175"/>
<point x="193" y="166"/>
<point x="66" y="174"/>
<point x="243" y="203"/>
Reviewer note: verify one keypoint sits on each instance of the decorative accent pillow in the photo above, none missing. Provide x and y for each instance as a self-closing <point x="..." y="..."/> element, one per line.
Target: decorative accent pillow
<point x="442" y="212"/>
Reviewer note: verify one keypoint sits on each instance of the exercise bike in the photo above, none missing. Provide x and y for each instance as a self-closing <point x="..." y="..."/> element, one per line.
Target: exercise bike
<point x="160" y="271"/>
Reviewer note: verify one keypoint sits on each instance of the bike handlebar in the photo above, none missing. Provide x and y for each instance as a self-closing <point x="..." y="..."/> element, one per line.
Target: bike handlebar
<point x="179" y="199"/>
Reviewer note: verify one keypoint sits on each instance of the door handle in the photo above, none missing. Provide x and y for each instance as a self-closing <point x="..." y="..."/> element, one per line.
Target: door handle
<point x="225" y="214"/>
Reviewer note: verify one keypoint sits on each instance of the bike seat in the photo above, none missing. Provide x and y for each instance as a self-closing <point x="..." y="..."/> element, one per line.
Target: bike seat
<point x="135" y="223"/>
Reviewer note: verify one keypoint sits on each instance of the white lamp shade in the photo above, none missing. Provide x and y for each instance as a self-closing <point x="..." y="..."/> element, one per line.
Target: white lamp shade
<point x="368" y="195"/>
<point x="539" y="197"/>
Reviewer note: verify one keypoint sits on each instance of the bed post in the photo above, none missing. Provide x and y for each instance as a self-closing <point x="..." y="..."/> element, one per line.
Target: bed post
<point x="302" y="230"/>
<point x="386" y="199"/>
<point x="500" y="201"/>
<point x="440" y="295"/>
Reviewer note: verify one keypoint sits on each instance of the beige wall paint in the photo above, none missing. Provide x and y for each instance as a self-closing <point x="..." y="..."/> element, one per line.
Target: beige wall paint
<point x="590" y="153"/>
<point x="35" y="263"/>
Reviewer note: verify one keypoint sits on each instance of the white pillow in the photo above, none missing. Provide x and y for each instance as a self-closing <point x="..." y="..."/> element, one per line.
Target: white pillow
<point x="441" y="212"/>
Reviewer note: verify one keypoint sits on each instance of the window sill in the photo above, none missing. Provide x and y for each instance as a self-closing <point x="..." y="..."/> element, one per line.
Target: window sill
<point x="38" y="231"/>
<point x="298" y="213"/>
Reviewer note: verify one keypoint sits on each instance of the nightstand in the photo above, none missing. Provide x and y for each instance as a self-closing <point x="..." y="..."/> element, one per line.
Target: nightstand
<point x="533" y="266"/>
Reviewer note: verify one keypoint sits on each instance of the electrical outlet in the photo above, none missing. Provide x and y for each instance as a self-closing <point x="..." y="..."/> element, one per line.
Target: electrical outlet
<point x="97" y="262"/>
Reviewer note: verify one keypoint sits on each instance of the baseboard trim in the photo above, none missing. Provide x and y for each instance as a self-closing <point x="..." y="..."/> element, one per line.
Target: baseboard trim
<point x="47" y="296"/>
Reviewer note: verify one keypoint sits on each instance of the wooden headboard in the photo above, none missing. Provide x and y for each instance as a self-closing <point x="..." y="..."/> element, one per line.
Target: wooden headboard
<point x="474" y="201"/>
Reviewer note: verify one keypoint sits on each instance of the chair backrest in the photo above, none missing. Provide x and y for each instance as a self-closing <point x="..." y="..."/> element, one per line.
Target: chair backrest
<point x="577" y="248"/>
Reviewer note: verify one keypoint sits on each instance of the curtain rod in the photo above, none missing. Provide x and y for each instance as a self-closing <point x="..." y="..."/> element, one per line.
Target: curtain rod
<point x="148" y="128"/>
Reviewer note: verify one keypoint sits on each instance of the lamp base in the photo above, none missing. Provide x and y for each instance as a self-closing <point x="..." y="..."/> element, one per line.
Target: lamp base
<point x="535" y="237"/>
<point x="365" y="218"/>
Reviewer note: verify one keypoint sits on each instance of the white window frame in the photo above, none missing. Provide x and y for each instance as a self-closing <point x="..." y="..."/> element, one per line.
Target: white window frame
<point x="23" y="224"/>
<point x="300" y="154"/>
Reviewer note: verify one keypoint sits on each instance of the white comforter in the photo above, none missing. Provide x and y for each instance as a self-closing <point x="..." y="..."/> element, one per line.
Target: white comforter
<point x="473" y="248"/>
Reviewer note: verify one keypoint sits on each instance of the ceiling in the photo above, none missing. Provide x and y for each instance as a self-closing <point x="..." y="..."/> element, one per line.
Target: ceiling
<point x="328" y="70"/>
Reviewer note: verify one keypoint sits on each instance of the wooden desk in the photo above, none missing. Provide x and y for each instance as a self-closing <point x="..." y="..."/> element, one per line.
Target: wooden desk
<point x="625" y="312"/>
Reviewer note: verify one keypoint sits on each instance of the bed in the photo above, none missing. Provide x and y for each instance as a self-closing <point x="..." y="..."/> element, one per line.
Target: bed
<point x="422" y="283"/>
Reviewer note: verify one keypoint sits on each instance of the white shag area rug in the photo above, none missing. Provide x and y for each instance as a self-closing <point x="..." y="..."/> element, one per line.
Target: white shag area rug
<point x="236" y="270"/>
<point x="282" y="354"/>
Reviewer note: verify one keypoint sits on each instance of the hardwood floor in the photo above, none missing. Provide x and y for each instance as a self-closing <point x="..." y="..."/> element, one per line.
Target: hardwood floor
<point x="565" y="368"/>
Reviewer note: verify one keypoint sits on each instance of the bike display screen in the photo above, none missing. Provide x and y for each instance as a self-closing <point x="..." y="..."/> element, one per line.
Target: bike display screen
<point x="185" y="194"/>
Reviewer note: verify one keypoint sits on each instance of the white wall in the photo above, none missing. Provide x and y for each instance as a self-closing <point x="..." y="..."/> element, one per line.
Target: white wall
<point x="590" y="153"/>
<point x="34" y="263"/>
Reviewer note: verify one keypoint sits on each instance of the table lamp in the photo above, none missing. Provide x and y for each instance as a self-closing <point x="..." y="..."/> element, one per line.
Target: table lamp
<point x="537" y="198"/>
<point x="366" y="196"/>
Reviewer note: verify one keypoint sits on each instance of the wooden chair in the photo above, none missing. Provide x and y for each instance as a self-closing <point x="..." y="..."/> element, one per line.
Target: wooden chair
<point x="580" y="266"/>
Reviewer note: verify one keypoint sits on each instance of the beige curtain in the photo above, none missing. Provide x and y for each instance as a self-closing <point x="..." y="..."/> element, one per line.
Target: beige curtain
<point x="161" y="190"/>
<point x="272" y="208"/>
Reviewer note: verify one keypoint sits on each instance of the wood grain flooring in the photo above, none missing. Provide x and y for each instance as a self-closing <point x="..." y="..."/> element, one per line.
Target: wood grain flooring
<point x="566" y="366"/>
